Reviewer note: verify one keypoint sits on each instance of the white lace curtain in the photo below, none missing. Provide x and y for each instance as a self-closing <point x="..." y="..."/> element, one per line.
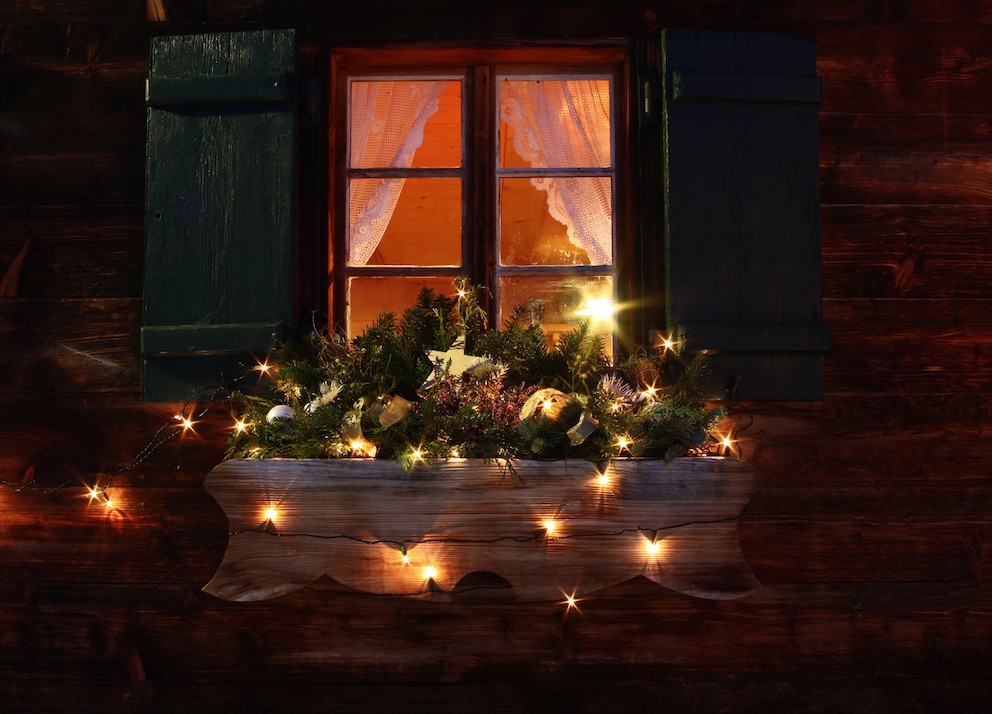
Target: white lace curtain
<point x="566" y="124"/>
<point x="557" y="124"/>
<point x="387" y="128"/>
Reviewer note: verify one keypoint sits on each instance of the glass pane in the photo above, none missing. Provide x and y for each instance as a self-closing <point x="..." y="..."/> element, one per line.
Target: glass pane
<point x="556" y="221"/>
<point x="413" y="221"/>
<point x="369" y="297"/>
<point x="559" y="302"/>
<point x="400" y="123"/>
<point x="555" y="123"/>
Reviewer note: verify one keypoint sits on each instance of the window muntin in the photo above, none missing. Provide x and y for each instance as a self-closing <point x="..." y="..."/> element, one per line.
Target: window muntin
<point x="546" y="210"/>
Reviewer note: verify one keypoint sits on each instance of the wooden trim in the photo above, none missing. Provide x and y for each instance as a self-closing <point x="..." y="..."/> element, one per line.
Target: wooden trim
<point x="193" y="339"/>
<point x="357" y="58"/>
<point x="168" y="91"/>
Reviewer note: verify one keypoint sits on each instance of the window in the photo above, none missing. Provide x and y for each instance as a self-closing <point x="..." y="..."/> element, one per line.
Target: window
<point x="713" y="195"/>
<point x="500" y="170"/>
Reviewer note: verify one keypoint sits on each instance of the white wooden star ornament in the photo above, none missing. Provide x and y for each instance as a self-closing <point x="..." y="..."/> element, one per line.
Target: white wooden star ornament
<point x="455" y="361"/>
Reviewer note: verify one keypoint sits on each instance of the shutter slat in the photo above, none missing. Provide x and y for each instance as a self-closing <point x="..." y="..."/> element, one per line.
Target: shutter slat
<point x="742" y="209"/>
<point x="193" y="339"/>
<point x="755" y="338"/>
<point x="166" y="91"/>
<point x="712" y="87"/>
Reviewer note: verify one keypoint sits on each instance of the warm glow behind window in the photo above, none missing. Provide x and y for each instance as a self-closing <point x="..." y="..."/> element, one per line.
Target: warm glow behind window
<point x="406" y="122"/>
<point x="555" y="197"/>
<point x="414" y="213"/>
<point x="371" y="296"/>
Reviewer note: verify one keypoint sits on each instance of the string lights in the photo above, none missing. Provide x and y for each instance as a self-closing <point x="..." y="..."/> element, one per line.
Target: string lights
<point x="558" y="525"/>
<point x="97" y="489"/>
<point x="423" y="557"/>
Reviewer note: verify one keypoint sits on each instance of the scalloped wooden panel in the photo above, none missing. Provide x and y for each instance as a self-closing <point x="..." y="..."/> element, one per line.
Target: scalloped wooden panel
<point x="373" y="527"/>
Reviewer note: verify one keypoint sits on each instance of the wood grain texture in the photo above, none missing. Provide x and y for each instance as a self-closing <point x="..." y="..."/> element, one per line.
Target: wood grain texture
<point x="870" y="535"/>
<point x="354" y="520"/>
<point x="72" y="256"/>
<point x="68" y="345"/>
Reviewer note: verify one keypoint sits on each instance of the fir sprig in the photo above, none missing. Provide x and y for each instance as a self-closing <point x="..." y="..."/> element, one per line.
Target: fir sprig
<point x="365" y="396"/>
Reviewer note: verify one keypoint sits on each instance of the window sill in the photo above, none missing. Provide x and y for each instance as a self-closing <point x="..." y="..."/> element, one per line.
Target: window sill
<point x="373" y="527"/>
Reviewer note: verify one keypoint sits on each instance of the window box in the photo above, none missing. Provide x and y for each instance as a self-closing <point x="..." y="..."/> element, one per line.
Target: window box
<point x="551" y="529"/>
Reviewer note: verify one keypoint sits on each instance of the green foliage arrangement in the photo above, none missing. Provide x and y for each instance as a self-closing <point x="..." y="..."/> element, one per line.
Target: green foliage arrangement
<point x="401" y="390"/>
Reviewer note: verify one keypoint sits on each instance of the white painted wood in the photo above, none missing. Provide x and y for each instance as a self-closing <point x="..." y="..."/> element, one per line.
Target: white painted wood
<point x="353" y="520"/>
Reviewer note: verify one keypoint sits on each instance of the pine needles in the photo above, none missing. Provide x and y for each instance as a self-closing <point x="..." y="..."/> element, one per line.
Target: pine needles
<point x="523" y="397"/>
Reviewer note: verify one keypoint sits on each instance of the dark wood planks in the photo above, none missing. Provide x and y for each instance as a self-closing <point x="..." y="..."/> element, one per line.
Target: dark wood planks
<point x="870" y="534"/>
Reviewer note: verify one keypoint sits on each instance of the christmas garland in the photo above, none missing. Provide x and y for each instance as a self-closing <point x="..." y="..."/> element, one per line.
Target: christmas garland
<point x="439" y="383"/>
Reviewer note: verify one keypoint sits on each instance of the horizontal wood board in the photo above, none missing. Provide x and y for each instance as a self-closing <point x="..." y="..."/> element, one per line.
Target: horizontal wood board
<point x="870" y="535"/>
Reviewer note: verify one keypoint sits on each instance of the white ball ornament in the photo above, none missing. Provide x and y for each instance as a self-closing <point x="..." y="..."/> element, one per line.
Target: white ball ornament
<point x="280" y="411"/>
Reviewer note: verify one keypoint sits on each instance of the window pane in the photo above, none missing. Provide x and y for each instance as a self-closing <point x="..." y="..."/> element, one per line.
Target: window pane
<point x="555" y="123"/>
<point x="556" y="221"/>
<point x="406" y="123"/>
<point x="422" y="227"/>
<point x="370" y="297"/>
<point x="559" y="303"/>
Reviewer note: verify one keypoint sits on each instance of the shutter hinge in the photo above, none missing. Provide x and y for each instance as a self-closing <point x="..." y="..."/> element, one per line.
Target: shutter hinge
<point x="650" y="95"/>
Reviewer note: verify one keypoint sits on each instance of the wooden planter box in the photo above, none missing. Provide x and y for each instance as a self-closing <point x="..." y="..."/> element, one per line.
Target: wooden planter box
<point x="373" y="527"/>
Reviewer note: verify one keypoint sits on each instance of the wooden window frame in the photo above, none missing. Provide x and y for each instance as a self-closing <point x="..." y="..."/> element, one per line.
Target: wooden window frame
<point x="480" y="68"/>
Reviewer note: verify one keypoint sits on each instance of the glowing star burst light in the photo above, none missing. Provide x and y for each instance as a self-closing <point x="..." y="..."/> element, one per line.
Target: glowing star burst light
<point x="599" y="309"/>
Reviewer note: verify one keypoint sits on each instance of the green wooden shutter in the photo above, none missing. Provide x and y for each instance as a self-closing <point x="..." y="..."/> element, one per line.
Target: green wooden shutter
<point x="742" y="209"/>
<point x="220" y="207"/>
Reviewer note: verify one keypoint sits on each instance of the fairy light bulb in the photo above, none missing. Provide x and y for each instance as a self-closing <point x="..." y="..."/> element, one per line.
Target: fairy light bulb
<point x="430" y="572"/>
<point x="240" y="427"/>
<point x="550" y="526"/>
<point x="405" y="559"/>
<point x="603" y="479"/>
<point x="270" y="514"/>
<point x="570" y="602"/>
<point x="653" y="547"/>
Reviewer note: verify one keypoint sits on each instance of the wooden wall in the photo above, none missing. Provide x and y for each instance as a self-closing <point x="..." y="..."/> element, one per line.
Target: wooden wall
<point x="872" y="535"/>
